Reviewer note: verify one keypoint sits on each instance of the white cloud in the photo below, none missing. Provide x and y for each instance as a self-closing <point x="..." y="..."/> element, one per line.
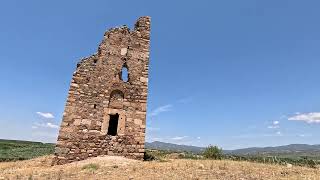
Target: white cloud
<point x="177" y="138"/>
<point x="278" y="133"/>
<point x="50" y="125"/>
<point x="313" y="117"/>
<point x="161" y="109"/>
<point x="46" y="115"/>
<point x="275" y="125"/>
<point x="155" y="139"/>
<point x="45" y="125"/>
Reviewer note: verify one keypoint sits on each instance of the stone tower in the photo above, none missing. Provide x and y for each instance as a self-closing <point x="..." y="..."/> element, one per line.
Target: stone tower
<point x="105" y="113"/>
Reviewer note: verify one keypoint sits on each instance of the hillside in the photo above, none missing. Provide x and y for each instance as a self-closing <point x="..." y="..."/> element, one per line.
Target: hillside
<point x="22" y="150"/>
<point x="291" y="150"/>
<point x="173" y="147"/>
<point x="12" y="150"/>
<point x="110" y="167"/>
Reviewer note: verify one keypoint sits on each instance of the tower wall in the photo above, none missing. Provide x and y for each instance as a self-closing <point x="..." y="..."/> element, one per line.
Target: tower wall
<point x="98" y="93"/>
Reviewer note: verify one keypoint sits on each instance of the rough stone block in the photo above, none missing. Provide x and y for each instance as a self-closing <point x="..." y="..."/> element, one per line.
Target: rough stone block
<point x="143" y="79"/>
<point x="124" y="51"/>
<point x="77" y="122"/>
<point x="138" y="121"/>
<point x="85" y="122"/>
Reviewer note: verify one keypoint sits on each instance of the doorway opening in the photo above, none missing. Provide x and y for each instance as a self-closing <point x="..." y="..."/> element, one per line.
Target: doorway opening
<point x="113" y="124"/>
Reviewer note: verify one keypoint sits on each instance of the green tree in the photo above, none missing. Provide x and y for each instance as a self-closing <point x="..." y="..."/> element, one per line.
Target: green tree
<point x="213" y="152"/>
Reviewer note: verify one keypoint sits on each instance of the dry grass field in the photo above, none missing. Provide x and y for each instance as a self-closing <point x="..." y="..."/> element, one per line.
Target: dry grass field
<point x="111" y="167"/>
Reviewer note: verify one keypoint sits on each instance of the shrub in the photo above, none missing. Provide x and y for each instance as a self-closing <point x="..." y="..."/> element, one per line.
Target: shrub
<point x="148" y="156"/>
<point x="213" y="152"/>
<point x="156" y="155"/>
<point x="91" y="167"/>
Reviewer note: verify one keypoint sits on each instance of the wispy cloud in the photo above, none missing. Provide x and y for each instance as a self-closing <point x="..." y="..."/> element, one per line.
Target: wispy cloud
<point x="183" y="140"/>
<point x="155" y="139"/>
<point x="275" y="125"/>
<point x="278" y="133"/>
<point x="45" y="125"/>
<point x="45" y="136"/>
<point x="46" y="115"/>
<point x="305" y="135"/>
<point x="50" y="125"/>
<point x="161" y="109"/>
<point x="255" y="136"/>
<point x="313" y="117"/>
<point x="185" y="100"/>
<point x="177" y="138"/>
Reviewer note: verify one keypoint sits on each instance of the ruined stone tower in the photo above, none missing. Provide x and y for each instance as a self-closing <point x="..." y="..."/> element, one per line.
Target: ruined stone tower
<point x="105" y="113"/>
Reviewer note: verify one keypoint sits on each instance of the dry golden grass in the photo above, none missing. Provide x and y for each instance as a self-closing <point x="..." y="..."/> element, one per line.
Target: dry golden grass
<point x="110" y="167"/>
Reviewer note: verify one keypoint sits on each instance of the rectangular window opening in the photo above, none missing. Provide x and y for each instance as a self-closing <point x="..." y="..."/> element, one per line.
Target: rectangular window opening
<point x="113" y="124"/>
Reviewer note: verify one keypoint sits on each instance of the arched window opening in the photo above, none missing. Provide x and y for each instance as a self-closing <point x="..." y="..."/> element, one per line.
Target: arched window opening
<point x="116" y="99"/>
<point x="116" y="95"/>
<point x="124" y="74"/>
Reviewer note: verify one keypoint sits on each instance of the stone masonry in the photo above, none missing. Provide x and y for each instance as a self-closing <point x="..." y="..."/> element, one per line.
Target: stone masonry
<point x="105" y="114"/>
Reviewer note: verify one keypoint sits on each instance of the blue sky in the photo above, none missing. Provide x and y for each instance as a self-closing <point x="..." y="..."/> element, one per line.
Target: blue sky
<point x="230" y="73"/>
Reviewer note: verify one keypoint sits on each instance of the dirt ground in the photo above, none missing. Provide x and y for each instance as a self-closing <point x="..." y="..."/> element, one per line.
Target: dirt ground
<point x="112" y="167"/>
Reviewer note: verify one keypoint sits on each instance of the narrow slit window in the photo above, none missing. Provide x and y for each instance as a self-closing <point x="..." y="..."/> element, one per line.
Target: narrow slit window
<point x="124" y="74"/>
<point x="113" y="124"/>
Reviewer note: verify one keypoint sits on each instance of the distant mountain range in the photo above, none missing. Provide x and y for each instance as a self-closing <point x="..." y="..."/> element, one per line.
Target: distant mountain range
<point x="285" y="151"/>
<point x="173" y="147"/>
<point x="297" y="149"/>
